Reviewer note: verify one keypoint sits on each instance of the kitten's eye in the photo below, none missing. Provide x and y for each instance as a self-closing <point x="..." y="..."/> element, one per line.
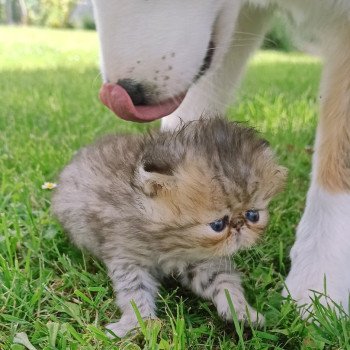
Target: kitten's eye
<point x="219" y="225"/>
<point x="252" y="215"/>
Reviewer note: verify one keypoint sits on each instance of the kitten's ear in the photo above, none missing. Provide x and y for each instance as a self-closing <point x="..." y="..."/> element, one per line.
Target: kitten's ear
<point x="278" y="180"/>
<point x="156" y="178"/>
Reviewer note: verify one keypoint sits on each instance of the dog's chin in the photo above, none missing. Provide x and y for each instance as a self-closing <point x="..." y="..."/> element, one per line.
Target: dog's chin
<point x="118" y="100"/>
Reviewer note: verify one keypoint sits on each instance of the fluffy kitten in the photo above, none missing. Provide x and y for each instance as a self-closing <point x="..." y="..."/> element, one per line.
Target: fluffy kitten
<point x="179" y="202"/>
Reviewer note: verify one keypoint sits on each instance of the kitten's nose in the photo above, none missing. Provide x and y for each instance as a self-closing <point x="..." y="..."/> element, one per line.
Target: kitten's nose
<point x="135" y="90"/>
<point x="237" y="223"/>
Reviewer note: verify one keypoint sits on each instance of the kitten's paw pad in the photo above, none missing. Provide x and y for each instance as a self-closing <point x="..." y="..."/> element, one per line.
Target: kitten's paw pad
<point x="252" y="316"/>
<point x="243" y="311"/>
<point x="121" y="328"/>
<point x="248" y="315"/>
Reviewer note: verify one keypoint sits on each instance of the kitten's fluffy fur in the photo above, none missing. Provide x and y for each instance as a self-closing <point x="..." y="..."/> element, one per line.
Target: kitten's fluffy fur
<point x="143" y="204"/>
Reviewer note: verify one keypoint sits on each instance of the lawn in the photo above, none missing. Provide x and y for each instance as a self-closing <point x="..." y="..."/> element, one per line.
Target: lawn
<point x="58" y="297"/>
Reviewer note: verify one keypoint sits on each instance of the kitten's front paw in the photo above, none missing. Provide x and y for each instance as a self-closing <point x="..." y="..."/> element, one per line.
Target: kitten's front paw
<point x="121" y="328"/>
<point x="243" y="310"/>
<point x="128" y="325"/>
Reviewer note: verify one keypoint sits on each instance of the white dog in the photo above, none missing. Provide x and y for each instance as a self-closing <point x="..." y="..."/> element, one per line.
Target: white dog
<point x="180" y="58"/>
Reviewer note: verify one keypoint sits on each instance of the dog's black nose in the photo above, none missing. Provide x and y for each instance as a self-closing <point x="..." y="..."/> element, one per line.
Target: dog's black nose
<point x="135" y="90"/>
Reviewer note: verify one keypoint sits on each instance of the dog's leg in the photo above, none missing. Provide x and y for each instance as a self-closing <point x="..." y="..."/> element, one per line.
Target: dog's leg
<point x="214" y="90"/>
<point x="321" y="254"/>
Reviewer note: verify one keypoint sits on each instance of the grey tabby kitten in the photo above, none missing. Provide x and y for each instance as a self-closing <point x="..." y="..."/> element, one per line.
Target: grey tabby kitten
<point x="175" y="202"/>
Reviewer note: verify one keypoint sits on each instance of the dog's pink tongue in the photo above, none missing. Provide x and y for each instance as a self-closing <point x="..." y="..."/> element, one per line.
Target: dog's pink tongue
<point x="118" y="100"/>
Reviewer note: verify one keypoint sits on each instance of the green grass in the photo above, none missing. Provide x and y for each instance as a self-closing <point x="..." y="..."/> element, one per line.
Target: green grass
<point x="60" y="298"/>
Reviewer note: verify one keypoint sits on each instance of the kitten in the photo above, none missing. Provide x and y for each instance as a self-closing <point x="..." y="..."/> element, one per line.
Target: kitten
<point x="179" y="202"/>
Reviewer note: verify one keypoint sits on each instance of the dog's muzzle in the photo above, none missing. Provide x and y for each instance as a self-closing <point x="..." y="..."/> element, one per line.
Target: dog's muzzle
<point x="118" y="100"/>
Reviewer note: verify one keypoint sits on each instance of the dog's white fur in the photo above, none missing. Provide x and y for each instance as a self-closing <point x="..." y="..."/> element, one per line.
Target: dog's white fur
<point x="141" y="38"/>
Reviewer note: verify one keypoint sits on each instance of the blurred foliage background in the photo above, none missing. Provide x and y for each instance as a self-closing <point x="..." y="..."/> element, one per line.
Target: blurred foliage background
<point x="48" y="13"/>
<point x="78" y="14"/>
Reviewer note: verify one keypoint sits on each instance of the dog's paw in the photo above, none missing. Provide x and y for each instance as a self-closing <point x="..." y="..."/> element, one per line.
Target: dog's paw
<point x="321" y="253"/>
